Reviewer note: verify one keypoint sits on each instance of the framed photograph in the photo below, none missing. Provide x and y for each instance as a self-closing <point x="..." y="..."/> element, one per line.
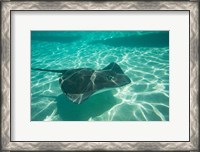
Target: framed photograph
<point x="100" y="76"/>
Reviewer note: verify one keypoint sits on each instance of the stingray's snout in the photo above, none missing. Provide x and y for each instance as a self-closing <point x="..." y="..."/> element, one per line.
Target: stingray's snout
<point x="123" y="80"/>
<point x="127" y="80"/>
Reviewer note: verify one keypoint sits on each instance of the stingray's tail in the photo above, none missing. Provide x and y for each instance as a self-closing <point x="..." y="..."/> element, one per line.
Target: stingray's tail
<point x="57" y="71"/>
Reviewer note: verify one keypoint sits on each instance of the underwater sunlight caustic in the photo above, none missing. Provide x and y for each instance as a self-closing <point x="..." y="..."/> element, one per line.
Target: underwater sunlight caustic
<point x="99" y="75"/>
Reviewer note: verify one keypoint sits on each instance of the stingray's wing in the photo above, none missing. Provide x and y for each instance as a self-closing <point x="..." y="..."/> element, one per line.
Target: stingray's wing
<point x="73" y="72"/>
<point x="68" y="73"/>
<point x="114" y="67"/>
<point x="78" y="98"/>
<point x="76" y="84"/>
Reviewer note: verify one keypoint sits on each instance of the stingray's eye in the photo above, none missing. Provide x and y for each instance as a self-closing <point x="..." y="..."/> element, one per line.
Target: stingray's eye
<point x="109" y="77"/>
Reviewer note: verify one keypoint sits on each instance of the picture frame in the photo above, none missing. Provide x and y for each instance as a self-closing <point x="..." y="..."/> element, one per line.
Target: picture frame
<point x="8" y="7"/>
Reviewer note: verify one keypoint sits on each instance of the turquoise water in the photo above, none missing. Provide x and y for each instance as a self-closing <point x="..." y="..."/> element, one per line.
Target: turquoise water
<point x="142" y="55"/>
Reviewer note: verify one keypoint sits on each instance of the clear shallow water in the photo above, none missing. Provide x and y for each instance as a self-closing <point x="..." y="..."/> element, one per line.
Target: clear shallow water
<point x="143" y="56"/>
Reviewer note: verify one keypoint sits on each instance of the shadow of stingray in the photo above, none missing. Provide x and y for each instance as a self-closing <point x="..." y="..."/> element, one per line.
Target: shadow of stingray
<point x="92" y="107"/>
<point x="158" y="39"/>
<point x="53" y="38"/>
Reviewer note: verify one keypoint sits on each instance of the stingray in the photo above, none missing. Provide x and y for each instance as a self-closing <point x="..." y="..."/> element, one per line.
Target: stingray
<point x="79" y="84"/>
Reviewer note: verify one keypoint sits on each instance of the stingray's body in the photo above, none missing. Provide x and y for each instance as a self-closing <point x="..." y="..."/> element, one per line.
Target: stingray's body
<point x="80" y="84"/>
